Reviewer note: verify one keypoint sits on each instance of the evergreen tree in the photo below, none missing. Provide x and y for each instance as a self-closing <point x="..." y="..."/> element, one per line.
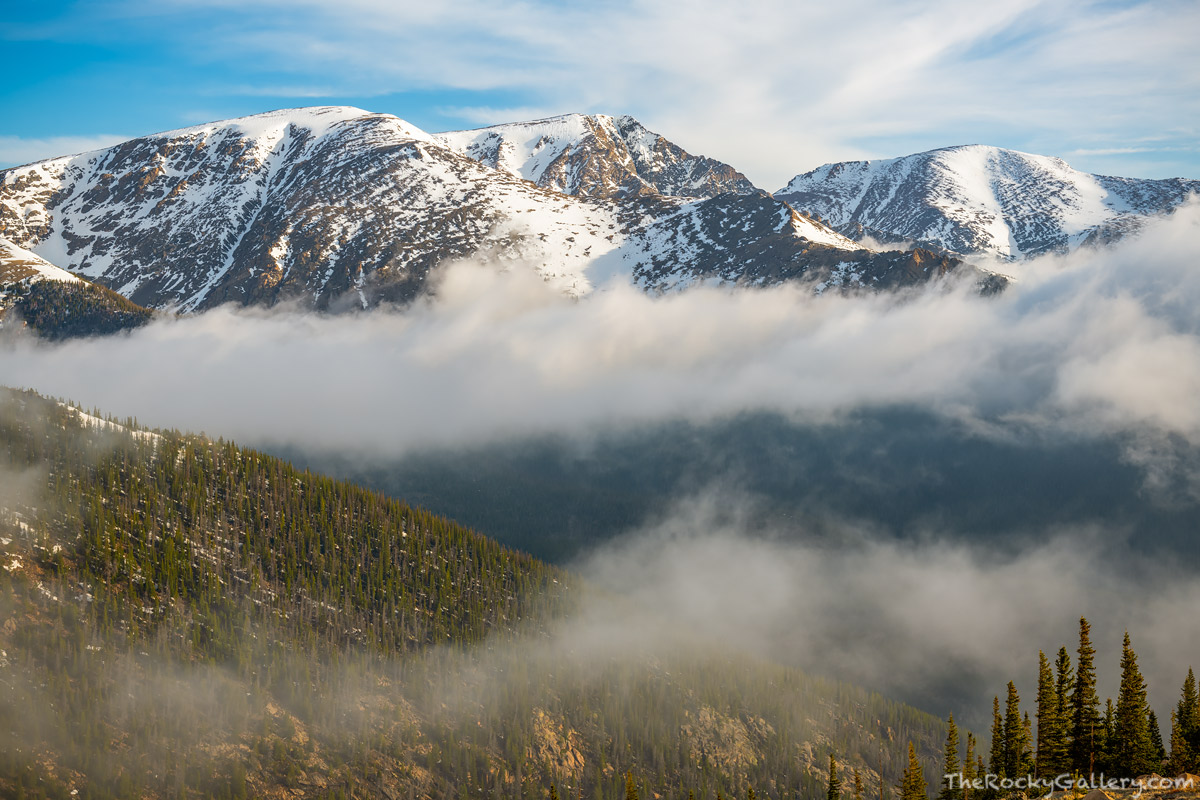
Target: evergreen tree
<point x="1086" y="731"/>
<point x="1027" y="764"/>
<point x="1046" y="709"/>
<point x="1104" y="748"/>
<point x="968" y="768"/>
<point x="1059" y="757"/>
<point x="553" y="792"/>
<point x="1181" y="754"/>
<point x="1156" y="741"/>
<point x="1051" y="725"/>
<point x="1132" y="747"/>
<point x="1185" y="728"/>
<point x="858" y="785"/>
<point x="950" y="762"/>
<point x="631" y="792"/>
<point x="1015" y="735"/>
<point x="1064" y="684"/>
<point x="834" y="792"/>
<point x="999" y="749"/>
<point x="912" y="785"/>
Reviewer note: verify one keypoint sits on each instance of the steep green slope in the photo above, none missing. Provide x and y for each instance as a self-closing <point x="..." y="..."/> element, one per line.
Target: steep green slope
<point x="185" y="618"/>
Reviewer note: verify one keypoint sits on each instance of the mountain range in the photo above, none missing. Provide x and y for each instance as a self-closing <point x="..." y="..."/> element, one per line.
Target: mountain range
<point x="336" y="207"/>
<point x="976" y="199"/>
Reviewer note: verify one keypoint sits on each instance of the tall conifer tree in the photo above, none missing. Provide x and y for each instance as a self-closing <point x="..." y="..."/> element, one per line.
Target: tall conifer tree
<point x="1185" y="728"/>
<point x="1086" y="728"/>
<point x="1132" y="747"/>
<point x="1182" y="759"/>
<point x="996" y="756"/>
<point x="1047" y="710"/>
<point x="858" y="785"/>
<point x="968" y="769"/>
<point x="950" y="763"/>
<point x="1016" y="736"/>
<point x="1104" y="750"/>
<point x="912" y="785"/>
<point x="1156" y="741"/>
<point x="1059" y="760"/>
<point x="1027" y="765"/>
<point x="1052" y="745"/>
<point x="834" y="792"/>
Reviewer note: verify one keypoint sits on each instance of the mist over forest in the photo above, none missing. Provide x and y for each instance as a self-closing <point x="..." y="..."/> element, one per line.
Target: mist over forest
<point x="1029" y="447"/>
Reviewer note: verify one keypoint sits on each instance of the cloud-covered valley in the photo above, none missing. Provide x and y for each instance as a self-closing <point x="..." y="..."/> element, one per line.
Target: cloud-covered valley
<point x="1100" y="345"/>
<point x="1098" y="341"/>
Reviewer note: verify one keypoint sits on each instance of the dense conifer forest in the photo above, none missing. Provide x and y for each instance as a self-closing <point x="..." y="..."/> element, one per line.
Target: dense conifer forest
<point x="57" y="310"/>
<point x="182" y="617"/>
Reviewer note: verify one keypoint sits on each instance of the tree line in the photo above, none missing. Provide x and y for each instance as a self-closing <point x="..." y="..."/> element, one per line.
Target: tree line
<point x="1072" y="735"/>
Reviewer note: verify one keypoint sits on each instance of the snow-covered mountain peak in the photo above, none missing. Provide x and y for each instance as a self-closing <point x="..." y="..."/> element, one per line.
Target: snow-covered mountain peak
<point x="981" y="199"/>
<point x="596" y="155"/>
<point x="336" y="206"/>
<point x="315" y="119"/>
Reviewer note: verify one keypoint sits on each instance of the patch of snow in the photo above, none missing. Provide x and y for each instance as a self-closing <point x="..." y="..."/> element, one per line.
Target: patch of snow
<point x="96" y="423"/>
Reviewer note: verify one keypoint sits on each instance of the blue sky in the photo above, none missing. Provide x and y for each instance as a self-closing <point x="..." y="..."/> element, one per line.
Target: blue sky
<point x="774" y="88"/>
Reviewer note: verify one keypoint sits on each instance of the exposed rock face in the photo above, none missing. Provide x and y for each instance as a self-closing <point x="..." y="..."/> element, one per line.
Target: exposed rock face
<point x="299" y="204"/>
<point x="597" y="156"/>
<point x="749" y="240"/>
<point x="337" y="207"/>
<point x="976" y="199"/>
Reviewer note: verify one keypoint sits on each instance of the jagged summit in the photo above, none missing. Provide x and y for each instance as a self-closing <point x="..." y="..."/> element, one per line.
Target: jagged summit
<point x="982" y="199"/>
<point x="338" y="207"/>
<point x="596" y="155"/>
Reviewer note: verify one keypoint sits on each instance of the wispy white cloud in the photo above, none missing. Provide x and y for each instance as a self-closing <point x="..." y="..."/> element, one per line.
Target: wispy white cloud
<point x="773" y="87"/>
<point x="1103" y="341"/>
<point x="15" y="150"/>
<point x="487" y="115"/>
<point x="249" y="90"/>
<point x="1111" y="151"/>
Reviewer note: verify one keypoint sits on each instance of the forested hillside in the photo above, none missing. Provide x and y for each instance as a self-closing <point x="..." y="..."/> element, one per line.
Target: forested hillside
<point x="60" y="310"/>
<point x="186" y="618"/>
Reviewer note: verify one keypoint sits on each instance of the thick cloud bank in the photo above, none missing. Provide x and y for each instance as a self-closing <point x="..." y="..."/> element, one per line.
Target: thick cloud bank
<point x="938" y="623"/>
<point x="1105" y="340"/>
<point x="1100" y="343"/>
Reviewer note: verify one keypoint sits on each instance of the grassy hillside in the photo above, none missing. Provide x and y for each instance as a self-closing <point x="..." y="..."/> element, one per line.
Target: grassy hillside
<point x="186" y="618"/>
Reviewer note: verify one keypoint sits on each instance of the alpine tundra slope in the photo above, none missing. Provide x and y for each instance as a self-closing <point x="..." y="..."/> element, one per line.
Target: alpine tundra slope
<point x="336" y="206"/>
<point x="975" y="199"/>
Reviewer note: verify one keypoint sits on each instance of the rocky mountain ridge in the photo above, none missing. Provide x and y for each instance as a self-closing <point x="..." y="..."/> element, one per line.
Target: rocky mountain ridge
<point x="337" y="207"/>
<point x="976" y="199"/>
<point x="597" y="156"/>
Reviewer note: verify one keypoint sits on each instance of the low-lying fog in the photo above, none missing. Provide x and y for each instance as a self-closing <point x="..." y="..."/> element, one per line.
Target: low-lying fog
<point x="946" y="481"/>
